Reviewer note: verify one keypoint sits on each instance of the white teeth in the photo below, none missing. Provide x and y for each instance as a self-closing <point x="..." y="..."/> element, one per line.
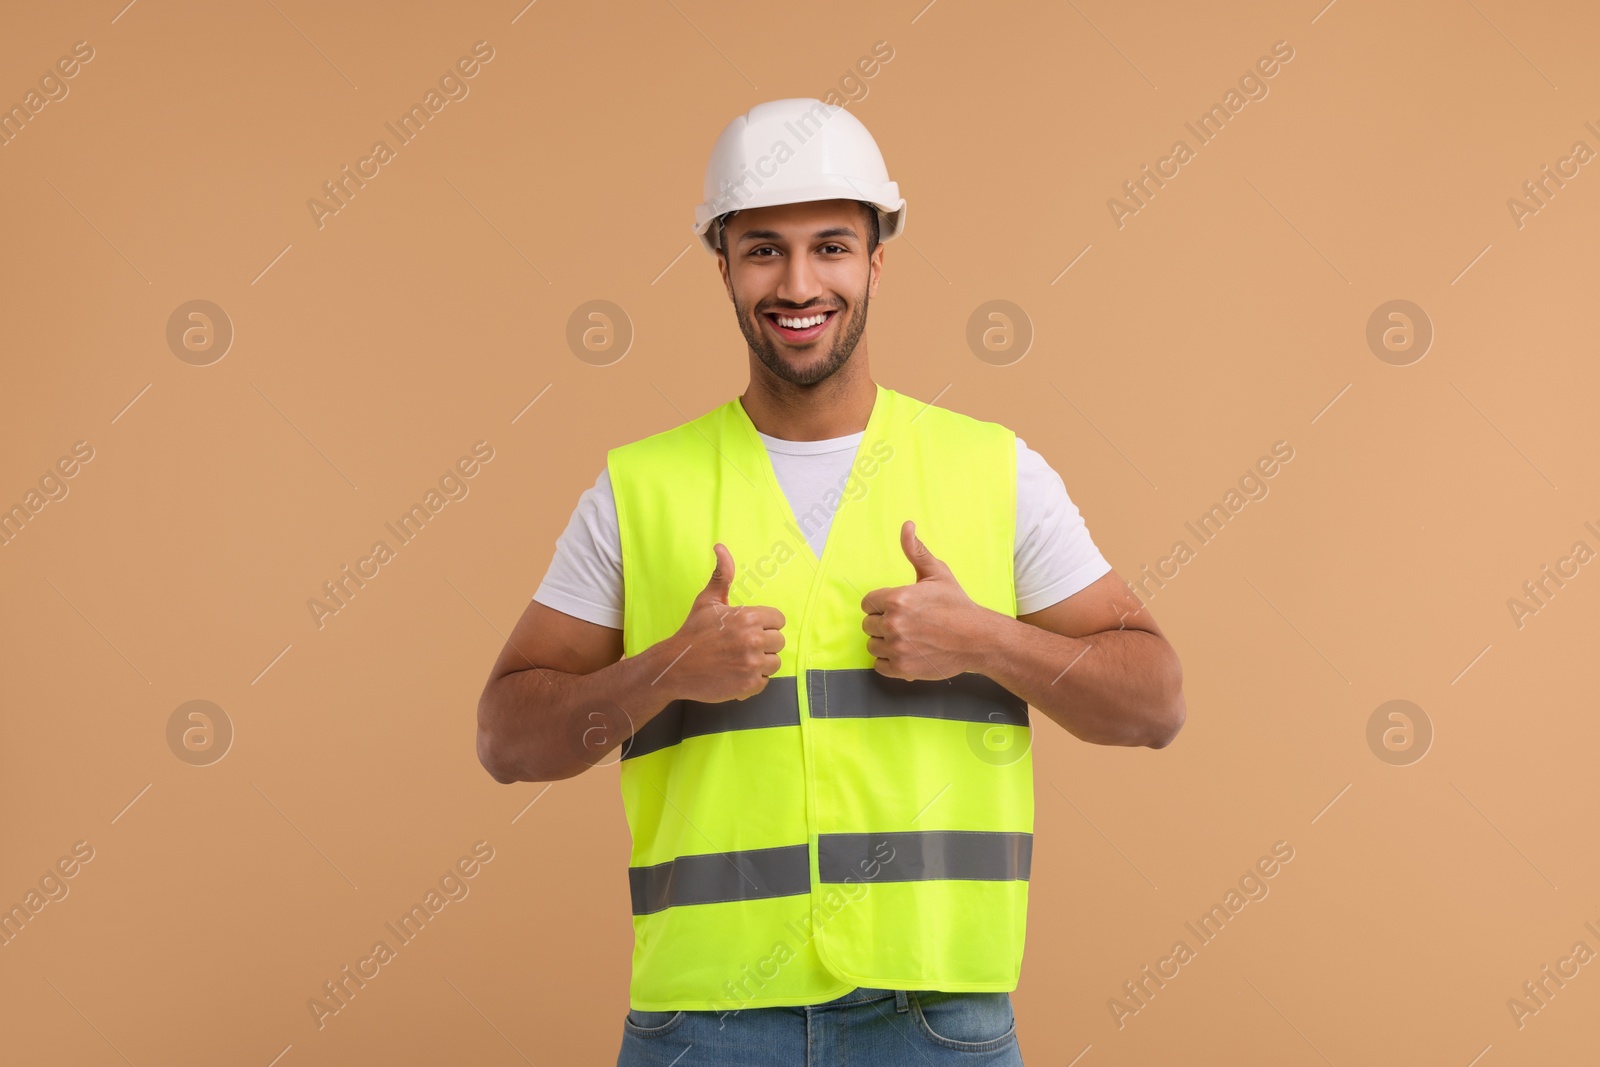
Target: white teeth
<point x="801" y="324"/>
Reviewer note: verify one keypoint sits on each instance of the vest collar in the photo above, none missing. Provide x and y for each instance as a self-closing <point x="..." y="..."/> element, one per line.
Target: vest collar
<point x="767" y="478"/>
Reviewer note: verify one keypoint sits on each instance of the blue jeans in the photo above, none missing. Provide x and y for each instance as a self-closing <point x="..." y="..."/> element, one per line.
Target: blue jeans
<point x="864" y="1028"/>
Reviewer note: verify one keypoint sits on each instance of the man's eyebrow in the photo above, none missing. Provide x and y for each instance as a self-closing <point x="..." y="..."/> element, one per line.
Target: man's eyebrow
<point x="774" y="235"/>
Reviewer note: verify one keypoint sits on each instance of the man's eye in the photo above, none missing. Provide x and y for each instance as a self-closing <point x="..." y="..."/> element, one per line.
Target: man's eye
<point x="841" y="248"/>
<point x="758" y="251"/>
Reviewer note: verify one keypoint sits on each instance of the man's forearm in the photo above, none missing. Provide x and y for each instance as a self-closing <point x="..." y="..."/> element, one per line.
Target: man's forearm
<point x="1117" y="687"/>
<point x="542" y="725"/>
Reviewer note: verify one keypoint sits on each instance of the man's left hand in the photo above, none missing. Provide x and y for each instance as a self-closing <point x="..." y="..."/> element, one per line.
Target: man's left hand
<point x="927" y="630"/>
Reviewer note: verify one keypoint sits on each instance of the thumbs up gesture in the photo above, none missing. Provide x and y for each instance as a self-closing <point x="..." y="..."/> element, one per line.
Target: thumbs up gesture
<point x="720" y="652"/>
<point x="926" y="630"/>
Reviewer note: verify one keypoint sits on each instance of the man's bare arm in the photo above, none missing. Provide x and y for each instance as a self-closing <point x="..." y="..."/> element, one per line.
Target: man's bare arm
<point x="561" y="696"/>
<point x="1096" y="663"/>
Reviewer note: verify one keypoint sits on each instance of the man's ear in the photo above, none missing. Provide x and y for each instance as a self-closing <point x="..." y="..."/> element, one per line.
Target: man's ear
<point x="874" y="269"/>
<point x="722" y="268"/>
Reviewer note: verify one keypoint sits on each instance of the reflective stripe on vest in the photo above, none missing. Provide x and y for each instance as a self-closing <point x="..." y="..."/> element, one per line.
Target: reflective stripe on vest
<point x="926" y="854"/>
<point x="861" y="692"/>
<point x="840" y="828"/>
<point x="851" y="692"/>
<point x="775" y="705"/>
<point x="720" y="876"/>
<point x="781" y="872"/>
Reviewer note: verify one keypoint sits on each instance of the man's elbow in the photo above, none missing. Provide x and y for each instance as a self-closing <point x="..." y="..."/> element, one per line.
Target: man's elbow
<point x="510" y="761"/>
<point x="492" y="749"/>
<point x="489" y="756"/>
<point x="1168" y="731"/>
<point x="1171" y="721"/>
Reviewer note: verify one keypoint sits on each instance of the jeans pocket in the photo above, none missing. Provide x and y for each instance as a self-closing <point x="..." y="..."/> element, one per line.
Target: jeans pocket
<point x="651" y="1023"/>
<point x="974" y="1022"/>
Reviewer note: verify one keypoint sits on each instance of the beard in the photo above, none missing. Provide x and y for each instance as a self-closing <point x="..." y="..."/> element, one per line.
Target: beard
<point x="788" y="369"/>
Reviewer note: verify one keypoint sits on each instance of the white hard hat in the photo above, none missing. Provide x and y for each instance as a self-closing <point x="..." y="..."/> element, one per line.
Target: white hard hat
<point x="792" y="152"/>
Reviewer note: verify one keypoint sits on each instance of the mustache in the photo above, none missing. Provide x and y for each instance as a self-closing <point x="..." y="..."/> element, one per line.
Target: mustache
<point x="790" y="308"/>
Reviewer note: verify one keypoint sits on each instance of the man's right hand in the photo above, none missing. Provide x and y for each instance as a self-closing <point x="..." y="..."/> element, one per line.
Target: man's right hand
<point x="724" y="653"/>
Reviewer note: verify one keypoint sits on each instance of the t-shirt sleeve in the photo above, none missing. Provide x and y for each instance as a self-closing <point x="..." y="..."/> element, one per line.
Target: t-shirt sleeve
<point x="1055" y="555"/>
<point x="585" y="574"/>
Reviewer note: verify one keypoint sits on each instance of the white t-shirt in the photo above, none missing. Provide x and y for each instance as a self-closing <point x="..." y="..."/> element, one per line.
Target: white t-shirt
<point x="1055" y="556"/>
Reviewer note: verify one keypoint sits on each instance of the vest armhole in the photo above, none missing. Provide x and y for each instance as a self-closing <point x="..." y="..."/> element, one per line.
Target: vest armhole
<point x="1011" y="513"/>
<point x="620" y="501"/>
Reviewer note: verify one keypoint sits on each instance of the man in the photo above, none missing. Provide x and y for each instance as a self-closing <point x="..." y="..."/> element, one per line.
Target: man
<point x="821" y="721"/>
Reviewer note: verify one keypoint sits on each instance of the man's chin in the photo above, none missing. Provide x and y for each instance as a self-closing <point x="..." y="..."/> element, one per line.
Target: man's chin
<point x="811" y="371"/>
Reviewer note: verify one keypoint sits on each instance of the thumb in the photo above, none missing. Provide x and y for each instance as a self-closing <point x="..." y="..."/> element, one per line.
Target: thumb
<point x="722" y="576"/>
<point x="926" y="564"/>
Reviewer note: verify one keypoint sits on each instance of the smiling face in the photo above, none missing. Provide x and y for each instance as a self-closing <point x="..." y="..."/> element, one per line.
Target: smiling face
<point x="800" y="277"/>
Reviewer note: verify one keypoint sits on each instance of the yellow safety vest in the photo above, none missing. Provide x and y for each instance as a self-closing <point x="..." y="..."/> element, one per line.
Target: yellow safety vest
<point x="840" y="828"/>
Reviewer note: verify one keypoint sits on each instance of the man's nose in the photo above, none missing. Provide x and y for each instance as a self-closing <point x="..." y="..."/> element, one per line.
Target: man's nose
<point x="799" y="284"/>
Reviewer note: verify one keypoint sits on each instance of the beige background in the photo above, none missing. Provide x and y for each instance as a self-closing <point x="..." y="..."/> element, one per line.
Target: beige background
<point x="369" y="354"/>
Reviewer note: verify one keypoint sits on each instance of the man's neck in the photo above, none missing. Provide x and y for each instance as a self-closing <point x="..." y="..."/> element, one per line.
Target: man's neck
<point x="838" y="406"/>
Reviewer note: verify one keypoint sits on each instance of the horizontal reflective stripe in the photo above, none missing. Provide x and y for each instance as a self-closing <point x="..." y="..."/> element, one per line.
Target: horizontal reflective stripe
<point x="754" y="874"/>
<point x="864" y="693"/>
<point x="776" y="705"/>
<point x="925" y="854"/>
